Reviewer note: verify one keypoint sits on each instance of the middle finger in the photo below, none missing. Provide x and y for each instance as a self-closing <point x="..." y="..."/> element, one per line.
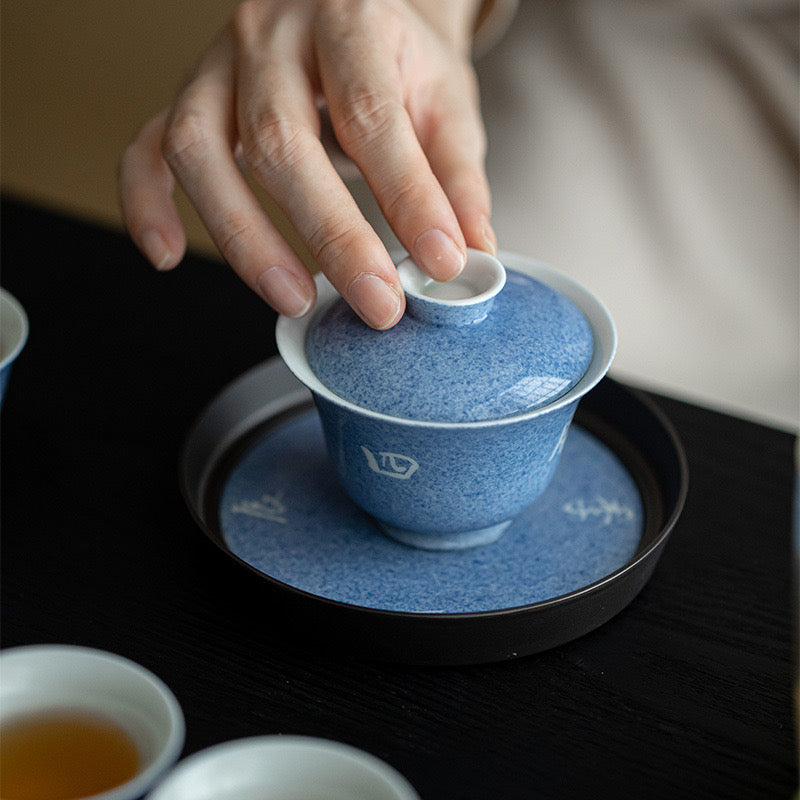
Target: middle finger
<point x="279" y="130"/>
<point x="358" y="60"/>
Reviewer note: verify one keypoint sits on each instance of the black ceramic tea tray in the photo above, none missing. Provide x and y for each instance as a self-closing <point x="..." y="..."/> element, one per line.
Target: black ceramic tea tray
<point x="255" y="475"/>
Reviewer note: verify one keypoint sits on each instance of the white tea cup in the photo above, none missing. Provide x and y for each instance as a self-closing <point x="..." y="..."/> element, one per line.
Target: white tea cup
<point x="38" y="682"/>
<point x="13" y="335"/>
<point x="283" y="768"/>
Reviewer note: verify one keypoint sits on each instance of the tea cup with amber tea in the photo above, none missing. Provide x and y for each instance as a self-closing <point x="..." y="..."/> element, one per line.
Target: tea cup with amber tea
<point x="77" y="722"/>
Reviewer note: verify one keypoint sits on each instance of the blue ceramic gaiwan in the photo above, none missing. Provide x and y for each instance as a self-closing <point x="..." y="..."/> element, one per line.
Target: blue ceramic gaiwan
<point x="452" y="422"/>
<point x="504" y="344"/>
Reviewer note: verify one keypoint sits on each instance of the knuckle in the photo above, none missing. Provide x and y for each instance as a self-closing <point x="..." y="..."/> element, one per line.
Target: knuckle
<point x="329" y="241"/>
<point x="368" y="114"/>
<point x="186" y="140"/>
<point x="405" y="197"/>
<point x="235" y="231"/>
<point x="275" y="143"/>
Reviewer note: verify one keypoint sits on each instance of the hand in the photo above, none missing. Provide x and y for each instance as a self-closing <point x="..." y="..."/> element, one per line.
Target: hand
<point x="396" y="79"/>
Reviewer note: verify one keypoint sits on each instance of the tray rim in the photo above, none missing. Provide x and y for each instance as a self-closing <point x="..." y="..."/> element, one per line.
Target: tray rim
<point x="292" y="397"/>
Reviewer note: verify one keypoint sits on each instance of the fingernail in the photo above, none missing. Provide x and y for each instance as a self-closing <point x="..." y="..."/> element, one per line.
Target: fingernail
<point x="155" y="248"/>
<point x="438" y="255"/>
<point x="284" y="292"/>
<point x="374" y="300"/>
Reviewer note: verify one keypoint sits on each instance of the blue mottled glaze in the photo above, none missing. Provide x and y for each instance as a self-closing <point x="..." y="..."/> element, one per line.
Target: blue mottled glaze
<point x="453" y="484"/>
<point x="442" y="488"/>
<point x="283" y="512"/>
<point x="529" y="348"/>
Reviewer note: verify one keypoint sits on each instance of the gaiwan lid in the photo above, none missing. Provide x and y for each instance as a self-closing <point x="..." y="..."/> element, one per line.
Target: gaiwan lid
<point x="492" y="343"/>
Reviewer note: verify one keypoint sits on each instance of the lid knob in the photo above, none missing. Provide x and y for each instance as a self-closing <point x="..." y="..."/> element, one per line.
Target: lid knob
<point x="464" y="300"/>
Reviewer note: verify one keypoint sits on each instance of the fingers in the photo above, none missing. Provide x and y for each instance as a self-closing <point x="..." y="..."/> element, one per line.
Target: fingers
<point x="199" y="144"/>
<point x="194" y="142"/>
<point x="455" y="141"/>
<point x="279" y="129"/>
<point x="365" y="94"/>
<point x="145" y="195"/>
<point x="410" y="124"/>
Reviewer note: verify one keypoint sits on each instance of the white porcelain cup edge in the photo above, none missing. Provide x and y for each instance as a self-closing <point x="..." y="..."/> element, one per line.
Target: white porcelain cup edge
<point x="283" y="767"/>
<point x="44" y="677"/>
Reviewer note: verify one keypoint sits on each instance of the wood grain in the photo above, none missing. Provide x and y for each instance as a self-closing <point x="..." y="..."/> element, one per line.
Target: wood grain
<point x="686" y="693"/>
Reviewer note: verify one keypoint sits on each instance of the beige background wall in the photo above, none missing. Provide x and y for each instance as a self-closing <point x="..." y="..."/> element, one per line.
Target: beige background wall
<point x="78" y="79"/>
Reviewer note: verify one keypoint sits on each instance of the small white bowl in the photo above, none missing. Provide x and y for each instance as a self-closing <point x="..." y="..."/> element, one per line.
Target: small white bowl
<point x="40" y="678"/>
<point x="13" y="335"/>
<point x="283" y="768"/>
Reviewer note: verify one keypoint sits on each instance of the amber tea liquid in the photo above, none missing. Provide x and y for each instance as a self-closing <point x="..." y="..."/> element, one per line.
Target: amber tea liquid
<point x="63" y="755"/>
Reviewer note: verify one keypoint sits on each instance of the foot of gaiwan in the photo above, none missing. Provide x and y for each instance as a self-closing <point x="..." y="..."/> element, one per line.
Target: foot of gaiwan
<point x="448" y="540"/>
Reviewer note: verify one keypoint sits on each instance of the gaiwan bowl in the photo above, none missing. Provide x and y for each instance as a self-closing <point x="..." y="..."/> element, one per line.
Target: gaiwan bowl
<point x="448" y="425"/>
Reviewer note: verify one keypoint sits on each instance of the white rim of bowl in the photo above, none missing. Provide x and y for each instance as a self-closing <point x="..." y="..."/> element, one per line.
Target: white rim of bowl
<point x="290" y="335"/>
<point x="169" y="754"/>
<point x="10" y="304"/>
<point x="260" y="747"/>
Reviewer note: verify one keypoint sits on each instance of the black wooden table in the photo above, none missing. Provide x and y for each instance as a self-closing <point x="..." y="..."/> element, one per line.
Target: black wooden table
<point x="686" y="693"/>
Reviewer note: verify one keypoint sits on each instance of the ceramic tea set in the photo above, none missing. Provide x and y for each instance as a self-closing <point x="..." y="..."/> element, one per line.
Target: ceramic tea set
<point x="448" y="425"/>
<point x="110" y="693"/>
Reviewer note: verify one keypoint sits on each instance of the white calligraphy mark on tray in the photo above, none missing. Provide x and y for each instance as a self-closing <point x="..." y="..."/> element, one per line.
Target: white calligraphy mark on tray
<point x="270" y="507"/>
<point x="608" y="510"/>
